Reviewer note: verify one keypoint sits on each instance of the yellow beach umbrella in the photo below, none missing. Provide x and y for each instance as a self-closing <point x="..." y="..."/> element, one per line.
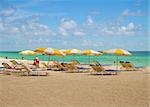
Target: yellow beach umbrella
<point x="53" y="52"/>
<point x="118" y="52"/>
<point x="27" y="52"/>
<point x="91" y="53"/>
<point x="72" y="51"/>
<point x="63" y="51"/>
<point x="40" y="50"/>
<point x="49" y="52"/>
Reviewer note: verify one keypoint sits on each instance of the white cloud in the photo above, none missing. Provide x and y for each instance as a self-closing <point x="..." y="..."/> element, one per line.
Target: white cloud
<point x="128" y="13"/>
<point x="117" y="30"/>
<point x="22" y="23"/>
<point x="90" y="44"/>
<point x="130" y="26"/>
<point x="68" y="24"/>
<point x="7" y="12"/>
<point x="70" y="27"/>
<point x="79" y="33"/>
<point x="90" y="21"/>
<point x="63" y="31"/>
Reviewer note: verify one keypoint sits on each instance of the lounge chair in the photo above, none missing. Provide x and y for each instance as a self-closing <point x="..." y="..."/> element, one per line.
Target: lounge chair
<point x="130" y="66"/>
<point x="7" y="66"/>
<point x="30" y="72"/>
<point x="23" y="70"/>
<point x="127" y="66"/>
<point x="59" y="66"/>
<point x="75" y="62"/>
<point x="46" y="65"/>
<point x="97" y="63"/>
<point x="14" y="62"/>
<point x="73" y="68"/>
<point x="99" y="70"/>
<point x="9" y="69"/>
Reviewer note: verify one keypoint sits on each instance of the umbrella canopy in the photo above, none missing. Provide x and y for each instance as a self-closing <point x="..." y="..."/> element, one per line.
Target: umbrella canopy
<point x="40" y="50"/>
<point x="91" y="53"/>
<point x="49" y="51"/>
<point x="27" y="52"/>
<point x="72" y="51"/>
<point x="118" y="51"/>
<point x="52" y="51"/>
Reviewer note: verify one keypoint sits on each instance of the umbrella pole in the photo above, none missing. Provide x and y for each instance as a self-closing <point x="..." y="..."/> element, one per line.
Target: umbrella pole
<point x="43" y="57"/>
<point x="48" y="59"/>
<point x="89" y="59"/>
<point x="117" y="63"/>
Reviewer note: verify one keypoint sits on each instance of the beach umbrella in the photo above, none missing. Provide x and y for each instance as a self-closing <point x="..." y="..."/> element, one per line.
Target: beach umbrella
<point x="72" y="52"/>
<point x="117" y="52"/>
<point x="91" y="53"/>
<point x="49" y="52"/>
<point x="63" y="51"/>
<point x="40" y="50"/>
<point x="28" y="52"/>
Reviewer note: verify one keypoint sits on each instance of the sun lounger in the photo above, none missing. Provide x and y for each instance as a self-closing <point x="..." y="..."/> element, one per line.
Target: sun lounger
<point x="9" y="69"/>
<point x="75" y="62"/>
<point x="97" y="63"/>
<point x="72" y="68"/>
<point x="46" y="65"/>
<point x="59" y="66"/>
<point x="99" y="70"/>
<point x="23" y="70"/>
<point x="128" y="66"/>
<point x="14" y="62"/>
<point x="31" y="72"/>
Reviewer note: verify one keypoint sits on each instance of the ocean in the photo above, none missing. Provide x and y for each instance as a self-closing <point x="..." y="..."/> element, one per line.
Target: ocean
<point x="139" y="58"/>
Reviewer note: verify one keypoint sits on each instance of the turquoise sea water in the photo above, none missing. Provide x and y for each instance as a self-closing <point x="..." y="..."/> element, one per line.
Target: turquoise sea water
<point x="140" y="58"/>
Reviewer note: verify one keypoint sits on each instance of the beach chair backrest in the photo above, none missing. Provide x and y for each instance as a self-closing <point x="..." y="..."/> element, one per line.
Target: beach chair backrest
<point x="45" y="64"/>
<point x="14" y="62"/>
<point x="97" y="68"/>
<point x="7" y="66"/>
<point x="96" y="62"/>
<point x="70" y="66"/>
<point x="130" y="65"/>
<point x="26" y="67"/>
<point x="123" y="64"/>
<point x="75" y="62"/>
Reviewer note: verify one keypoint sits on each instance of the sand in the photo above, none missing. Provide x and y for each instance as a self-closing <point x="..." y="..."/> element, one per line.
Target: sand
<point x="59" y="89"/>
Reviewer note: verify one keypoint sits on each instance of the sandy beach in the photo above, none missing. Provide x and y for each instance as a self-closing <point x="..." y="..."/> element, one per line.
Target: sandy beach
<point x="59" y="89"/>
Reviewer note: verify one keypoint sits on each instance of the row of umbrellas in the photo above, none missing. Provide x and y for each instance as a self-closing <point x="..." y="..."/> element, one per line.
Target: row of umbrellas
<point x="53" y="51"/>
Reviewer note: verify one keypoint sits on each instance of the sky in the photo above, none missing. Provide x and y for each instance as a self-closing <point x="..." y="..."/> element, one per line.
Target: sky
<point x="81" y="24"/>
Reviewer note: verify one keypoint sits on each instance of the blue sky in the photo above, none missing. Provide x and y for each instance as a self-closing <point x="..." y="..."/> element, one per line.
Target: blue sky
<point x="82" y="24"/>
